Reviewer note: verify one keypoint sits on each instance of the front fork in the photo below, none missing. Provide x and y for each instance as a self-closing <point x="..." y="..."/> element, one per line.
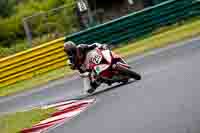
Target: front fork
<point x="86" y="84"/>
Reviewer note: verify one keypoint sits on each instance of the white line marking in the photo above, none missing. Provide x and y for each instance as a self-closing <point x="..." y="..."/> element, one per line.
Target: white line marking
<point x="58" y="104"/>
<point x="64" y="115"/>
<point x="57" y="125"/>
<point x="57" y="120"/>
<point x="74" y="104"/>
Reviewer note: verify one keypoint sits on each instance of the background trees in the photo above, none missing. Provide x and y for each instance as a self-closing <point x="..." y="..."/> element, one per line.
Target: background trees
<point x="13" y="11"/>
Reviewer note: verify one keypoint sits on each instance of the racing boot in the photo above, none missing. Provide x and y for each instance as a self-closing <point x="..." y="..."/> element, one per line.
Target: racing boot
<point x="93" y="86"/>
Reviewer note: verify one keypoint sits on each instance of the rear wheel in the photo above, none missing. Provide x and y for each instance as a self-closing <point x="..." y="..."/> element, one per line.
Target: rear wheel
<point x="127" y="72"/>
<point x="134" y="75"/>
<point x="125" y="81"/>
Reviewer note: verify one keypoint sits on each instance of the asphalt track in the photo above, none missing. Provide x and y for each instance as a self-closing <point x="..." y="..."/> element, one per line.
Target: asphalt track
<point x="166" y="100"/>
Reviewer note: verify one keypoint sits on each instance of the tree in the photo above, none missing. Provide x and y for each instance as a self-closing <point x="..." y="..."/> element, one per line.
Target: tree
<point x="6" y="7"/>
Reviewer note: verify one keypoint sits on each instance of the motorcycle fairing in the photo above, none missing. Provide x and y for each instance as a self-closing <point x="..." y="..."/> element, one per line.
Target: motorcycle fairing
<point x="107" y="55"/>
<point x="100" y="68"/>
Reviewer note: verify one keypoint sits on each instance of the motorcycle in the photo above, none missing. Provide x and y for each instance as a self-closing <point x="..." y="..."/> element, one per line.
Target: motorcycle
<point x="107" y="67"/>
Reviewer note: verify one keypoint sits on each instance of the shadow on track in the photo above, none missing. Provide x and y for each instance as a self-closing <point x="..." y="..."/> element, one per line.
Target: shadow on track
<point x="81" y="97"/>
<point x="102" y="91"/>
<point x="110" y="88"/>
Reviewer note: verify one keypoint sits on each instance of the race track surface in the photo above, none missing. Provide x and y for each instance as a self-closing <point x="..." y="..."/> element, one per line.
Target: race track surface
<point x="166" y="100"/>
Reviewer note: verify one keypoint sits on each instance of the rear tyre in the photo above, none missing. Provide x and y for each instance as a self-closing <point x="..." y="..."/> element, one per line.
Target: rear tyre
<point x="127" y="72"/>
<point x="135" y="75"/>
<point x="125" y="81"/>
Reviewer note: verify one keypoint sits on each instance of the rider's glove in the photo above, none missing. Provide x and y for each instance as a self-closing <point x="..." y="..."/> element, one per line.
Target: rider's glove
<point x="104" y="46"/>
<point x="71" y="65"/>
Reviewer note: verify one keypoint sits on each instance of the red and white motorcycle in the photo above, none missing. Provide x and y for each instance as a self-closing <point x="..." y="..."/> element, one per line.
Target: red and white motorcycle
<point x="107" y="67"/>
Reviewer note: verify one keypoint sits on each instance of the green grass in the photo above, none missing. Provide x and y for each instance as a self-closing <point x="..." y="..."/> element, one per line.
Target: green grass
<point x="18" y="47"/>
<point x="13" y="123"/>
<point x="160" y="38"/>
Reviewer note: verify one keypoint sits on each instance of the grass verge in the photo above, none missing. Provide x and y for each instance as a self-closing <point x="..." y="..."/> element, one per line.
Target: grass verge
<point x="165" y="37"/>
<point x="13" y="123"/>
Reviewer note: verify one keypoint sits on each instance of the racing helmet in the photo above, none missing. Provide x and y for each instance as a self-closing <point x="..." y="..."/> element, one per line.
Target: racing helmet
<point x="70" y="48"/>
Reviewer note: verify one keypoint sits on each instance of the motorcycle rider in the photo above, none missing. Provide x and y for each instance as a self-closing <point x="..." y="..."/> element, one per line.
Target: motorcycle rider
<point x="77" y="54"/>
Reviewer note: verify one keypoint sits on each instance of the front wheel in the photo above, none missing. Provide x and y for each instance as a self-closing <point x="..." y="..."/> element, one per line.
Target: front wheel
<point x="127" y="72"/>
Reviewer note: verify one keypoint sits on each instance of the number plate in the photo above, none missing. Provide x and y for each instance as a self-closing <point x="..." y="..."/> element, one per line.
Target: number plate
<point x="97" y="59"/>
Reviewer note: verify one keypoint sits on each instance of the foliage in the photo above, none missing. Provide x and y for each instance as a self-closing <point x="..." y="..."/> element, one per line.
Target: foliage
<point x="11" y="24"/>
<point x="16" y="47"/>
<point x="6" y="7"/>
